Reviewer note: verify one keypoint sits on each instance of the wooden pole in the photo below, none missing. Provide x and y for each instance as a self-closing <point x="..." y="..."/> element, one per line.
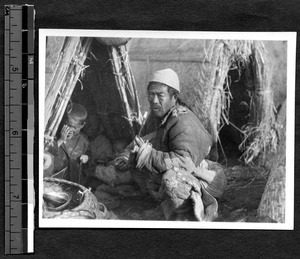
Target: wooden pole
<point x="76" y="57"/>
<point x="120" y="84"/>
<point x="59" y="74"/>
<point x="131" y="81"/>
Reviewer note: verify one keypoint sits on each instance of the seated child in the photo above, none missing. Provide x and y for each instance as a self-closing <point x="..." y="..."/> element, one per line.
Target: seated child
<point x="73" y="141"/>
<point x="119" y="146"/>
<point x="114" y="182"/>
<point x="108" y="173"/>
<point x="101" y="150"/>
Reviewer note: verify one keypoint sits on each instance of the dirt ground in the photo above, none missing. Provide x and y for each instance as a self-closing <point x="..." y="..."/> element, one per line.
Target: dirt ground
<point x="238" y="204"/>
<point x="243" y="194"/>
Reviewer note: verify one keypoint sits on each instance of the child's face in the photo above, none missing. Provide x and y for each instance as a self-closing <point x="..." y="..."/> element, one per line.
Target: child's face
<point x="74" y="128"/>
<point x="118" y="148"/>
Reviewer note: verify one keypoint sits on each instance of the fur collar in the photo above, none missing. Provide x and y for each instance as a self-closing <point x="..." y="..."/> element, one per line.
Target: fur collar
<point x="174" y="112"/>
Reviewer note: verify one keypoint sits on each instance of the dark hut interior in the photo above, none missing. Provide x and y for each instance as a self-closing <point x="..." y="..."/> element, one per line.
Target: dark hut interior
<point x="97" y="91"/>
<point x="231" y="133"/>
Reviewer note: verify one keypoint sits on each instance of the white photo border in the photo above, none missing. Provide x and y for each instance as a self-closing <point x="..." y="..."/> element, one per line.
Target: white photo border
<point x="290" y="37"/>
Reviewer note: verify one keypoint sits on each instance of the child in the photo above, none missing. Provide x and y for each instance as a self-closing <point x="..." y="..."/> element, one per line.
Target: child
<point x="73" y="141"/>
<point x="119" y="147"/>
<point x="108" y="173"/>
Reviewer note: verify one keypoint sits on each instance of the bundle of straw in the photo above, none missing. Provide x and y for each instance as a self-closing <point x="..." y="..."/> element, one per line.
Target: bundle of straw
<point x="69" y="66"/>
<point x="214" y="95"/>
<point x="59" y="74"/>
<point x="125" y="84"/>
<point x="261" y="134"/>
<point x="131" y="86"/>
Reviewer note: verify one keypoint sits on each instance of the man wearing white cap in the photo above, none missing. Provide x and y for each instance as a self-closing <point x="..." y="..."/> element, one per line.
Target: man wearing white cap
<point x="170" y="156"/>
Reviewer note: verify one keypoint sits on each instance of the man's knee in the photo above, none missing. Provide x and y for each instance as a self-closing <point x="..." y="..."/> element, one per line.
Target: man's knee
<point x="176" y="176"/>
<point x="169" y="178"/>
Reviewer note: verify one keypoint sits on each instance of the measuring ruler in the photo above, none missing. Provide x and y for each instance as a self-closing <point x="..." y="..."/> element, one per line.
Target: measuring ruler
<point x="19" y="128"/>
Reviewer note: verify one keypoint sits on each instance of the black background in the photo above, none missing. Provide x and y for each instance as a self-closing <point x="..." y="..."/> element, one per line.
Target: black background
<point x="184" y="15"/>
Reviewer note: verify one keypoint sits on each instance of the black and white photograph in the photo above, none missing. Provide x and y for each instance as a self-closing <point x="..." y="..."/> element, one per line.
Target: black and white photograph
<point x="157" y="129"/>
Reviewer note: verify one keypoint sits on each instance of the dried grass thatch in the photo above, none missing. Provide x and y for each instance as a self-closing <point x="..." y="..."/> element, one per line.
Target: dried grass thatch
<point x="261" y="134"/>
<point x="214" y="94"/>
<point x="68" y="68"/>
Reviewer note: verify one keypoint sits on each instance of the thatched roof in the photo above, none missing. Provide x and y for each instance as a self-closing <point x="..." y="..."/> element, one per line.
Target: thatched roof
<point x="104" y="75"/>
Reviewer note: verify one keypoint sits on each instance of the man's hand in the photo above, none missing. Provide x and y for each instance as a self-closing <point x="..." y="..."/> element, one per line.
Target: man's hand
<point x="137" y="144"/>
<point x="138" y="141"/>
<point x="122" y="163"/>
<point x="84" y="159"/>
<point x="143" y="150"/>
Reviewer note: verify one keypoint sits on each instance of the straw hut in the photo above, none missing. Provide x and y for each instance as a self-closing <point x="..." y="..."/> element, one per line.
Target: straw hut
<point x="96" y="73"/>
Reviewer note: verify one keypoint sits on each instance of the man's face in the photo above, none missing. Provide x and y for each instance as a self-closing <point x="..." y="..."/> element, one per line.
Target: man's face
<point x="159" y="99"/>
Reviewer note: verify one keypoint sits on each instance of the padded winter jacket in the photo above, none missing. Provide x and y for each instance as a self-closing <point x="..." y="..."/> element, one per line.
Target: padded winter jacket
<point x="178" y="136"/>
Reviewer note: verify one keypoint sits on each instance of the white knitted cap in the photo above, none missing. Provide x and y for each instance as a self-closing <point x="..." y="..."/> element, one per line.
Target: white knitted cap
<point x="166" y="76"/>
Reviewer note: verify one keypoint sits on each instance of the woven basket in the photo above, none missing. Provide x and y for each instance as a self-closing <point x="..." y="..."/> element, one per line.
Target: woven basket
<point x="80" y="203"/>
